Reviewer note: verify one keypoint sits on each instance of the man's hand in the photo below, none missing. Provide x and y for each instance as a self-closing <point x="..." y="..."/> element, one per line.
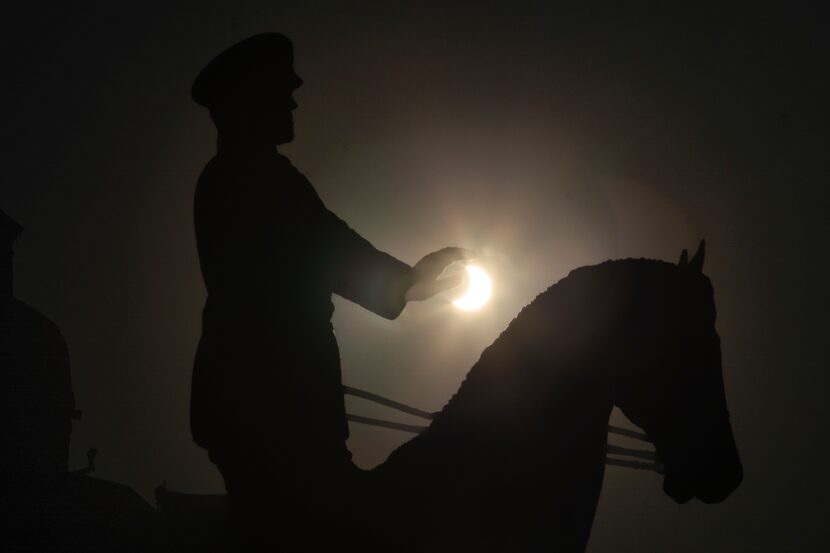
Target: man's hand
<point x="426" y="271"/>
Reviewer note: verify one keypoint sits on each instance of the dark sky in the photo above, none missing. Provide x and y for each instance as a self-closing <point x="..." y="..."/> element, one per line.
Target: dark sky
<point x="543" y="137"/>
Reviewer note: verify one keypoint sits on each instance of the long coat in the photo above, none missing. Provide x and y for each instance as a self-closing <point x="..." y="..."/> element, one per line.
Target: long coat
<point x="266" y="378"/>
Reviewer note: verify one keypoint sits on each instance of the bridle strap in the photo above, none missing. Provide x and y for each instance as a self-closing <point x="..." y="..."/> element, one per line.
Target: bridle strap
<point x="356" y="392"/>
<point x="653" y="463"/>
<point x="413" y="428"/>
<point x="633" y="434"/>
<point x="636" y="465"/>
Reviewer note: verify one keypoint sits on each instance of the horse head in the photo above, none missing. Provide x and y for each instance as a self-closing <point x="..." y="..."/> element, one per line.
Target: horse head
<point x="671" y="382"/>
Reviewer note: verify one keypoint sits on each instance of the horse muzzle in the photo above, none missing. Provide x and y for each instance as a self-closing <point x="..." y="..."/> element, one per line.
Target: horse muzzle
<point x="708" y="482"/>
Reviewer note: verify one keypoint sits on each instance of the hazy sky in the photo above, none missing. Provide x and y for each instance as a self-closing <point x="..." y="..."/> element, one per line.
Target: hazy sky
<point x="544" y="138"/>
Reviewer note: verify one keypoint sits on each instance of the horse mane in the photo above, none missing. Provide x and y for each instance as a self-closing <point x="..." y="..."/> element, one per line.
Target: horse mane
<point x="623" y="276"/>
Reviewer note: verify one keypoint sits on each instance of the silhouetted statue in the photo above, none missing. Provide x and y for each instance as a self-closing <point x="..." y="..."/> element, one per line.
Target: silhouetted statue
<point x="515" y="460"/>
<point x="43" y="506"/>
<point x="267" y="399"/>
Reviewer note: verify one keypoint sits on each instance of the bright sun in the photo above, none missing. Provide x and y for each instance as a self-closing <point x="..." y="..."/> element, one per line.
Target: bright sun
<point x="478" y="290"/>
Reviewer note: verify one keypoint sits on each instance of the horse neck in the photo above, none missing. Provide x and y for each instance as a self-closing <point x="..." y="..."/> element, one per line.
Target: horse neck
<point x="541" y="451"/>
<point x="567" y="424"/>
<point x="530" y="411"/>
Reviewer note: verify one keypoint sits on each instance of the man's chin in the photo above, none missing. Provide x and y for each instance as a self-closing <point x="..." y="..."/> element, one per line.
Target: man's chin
<point x="285" y="137"/>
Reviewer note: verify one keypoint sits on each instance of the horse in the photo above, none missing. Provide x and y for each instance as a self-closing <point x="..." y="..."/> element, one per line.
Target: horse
<point x="515" y="460"/>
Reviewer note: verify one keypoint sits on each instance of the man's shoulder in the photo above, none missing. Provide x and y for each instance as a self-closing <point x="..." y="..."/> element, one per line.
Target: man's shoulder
<point x="266" y="179"/>
<point x="252" y="173"/>
<point x="282" y="165"/>
<point x="293" y="180"/>
<point x="249" y="167"/>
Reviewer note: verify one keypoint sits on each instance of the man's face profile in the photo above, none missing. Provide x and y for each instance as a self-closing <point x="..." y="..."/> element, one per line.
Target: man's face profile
<point x="272" y="104"/>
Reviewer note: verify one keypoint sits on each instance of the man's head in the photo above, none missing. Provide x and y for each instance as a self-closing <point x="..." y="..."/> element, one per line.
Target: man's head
<point x="248" y="87"/>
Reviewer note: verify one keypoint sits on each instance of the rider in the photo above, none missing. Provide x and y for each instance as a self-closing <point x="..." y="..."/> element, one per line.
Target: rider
<point x="267" y="400"/>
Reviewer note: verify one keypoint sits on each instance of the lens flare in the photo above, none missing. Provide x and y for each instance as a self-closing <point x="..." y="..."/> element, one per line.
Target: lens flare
<point x="478" y="289"/>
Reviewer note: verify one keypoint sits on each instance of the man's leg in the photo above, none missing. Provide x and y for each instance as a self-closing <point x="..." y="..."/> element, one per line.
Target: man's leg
<point x="260" y="507"/>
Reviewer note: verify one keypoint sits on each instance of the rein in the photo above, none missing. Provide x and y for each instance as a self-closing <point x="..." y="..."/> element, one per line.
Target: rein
<point x="645" y="459"/>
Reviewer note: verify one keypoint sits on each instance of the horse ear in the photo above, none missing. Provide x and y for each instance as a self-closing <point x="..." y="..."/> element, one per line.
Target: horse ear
<point x="696" y="264"/>
<point x="684" y="258"/>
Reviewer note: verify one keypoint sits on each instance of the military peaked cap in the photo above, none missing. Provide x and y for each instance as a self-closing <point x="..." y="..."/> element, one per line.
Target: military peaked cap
<point x="263" y="58"/>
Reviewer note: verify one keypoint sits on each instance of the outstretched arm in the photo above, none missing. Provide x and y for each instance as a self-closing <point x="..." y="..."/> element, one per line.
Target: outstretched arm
<point x="378" y="281"/>
<point x="369" y="277"/>
<point x="361" y="273"/>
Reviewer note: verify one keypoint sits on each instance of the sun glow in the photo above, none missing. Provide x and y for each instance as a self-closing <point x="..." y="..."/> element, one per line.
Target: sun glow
<point x="477" y="291"/>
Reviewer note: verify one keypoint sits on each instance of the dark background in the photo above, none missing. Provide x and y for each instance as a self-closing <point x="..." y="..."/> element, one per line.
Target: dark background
<point x="543" y="137"/>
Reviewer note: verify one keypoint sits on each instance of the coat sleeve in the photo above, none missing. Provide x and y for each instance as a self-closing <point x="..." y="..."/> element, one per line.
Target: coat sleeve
<point x="354" y="268"/>
<point x="361" y="273"/>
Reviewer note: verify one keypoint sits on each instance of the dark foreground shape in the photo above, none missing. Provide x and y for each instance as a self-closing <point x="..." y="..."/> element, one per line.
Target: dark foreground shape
<point x="515" y="460"/>
<point x="194" y="522"/>
<point x="43" y="506"/>
<point x="79" y="513"/>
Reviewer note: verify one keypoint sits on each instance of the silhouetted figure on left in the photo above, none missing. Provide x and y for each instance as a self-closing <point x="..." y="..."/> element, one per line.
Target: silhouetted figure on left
<point x="267" y="397"/>
<point x="36" y="398"/>
<point x="44" y="506"/>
